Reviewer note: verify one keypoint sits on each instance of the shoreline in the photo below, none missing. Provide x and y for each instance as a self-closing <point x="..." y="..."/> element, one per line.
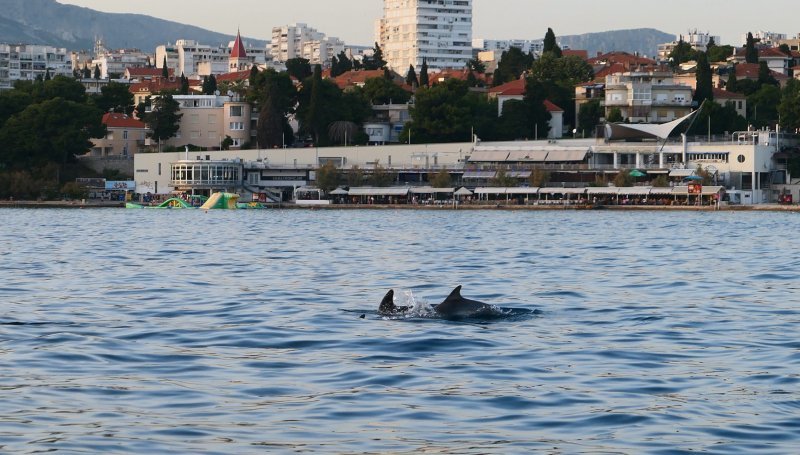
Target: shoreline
<point x="470" y="207"/>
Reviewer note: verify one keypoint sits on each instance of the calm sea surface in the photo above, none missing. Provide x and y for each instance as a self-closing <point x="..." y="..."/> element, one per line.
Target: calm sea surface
<point x="150" y="331"/>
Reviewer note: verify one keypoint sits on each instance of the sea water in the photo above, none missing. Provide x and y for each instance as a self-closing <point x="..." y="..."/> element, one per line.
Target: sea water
<point x="181" y="331"/>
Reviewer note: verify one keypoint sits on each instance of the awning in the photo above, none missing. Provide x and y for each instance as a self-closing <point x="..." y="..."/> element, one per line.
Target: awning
<point x="488" y="156"/>
<point x="519" y="174"/>
<point x="479" y="175"/>
<point x="566" y="155"/>
<point x="522" y="190"/>
<point x="712" y="190"/>
<point x="338" y="191"/>
<point x="557" y="190"/>
<point x="463" y="192"/>
<point x="538" y="156"/>
<point x="602" y="190"/>
<point x="430" y="190"/>
<point x="635" y="190"/>
<point x="681" y="172"/>
<point x="490" y="190"/>
<point x="391" y="191"/>
<point x="661" y="190"/>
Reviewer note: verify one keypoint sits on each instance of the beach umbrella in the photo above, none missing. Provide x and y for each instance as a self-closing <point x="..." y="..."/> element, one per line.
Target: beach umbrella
<point x="637" y="173"/>
<point x="693" y="177"/>
<point x="463" y="192"/>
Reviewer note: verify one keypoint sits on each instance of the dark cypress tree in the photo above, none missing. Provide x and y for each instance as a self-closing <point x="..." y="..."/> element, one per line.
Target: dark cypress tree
<point x="87" y="73"/>
<point x="704" y="90"/>
<point x="750" y="50"/>
<point x="212" y="84"/>
<point x="313" y="117"/>
<point x="164" y="69"/>
<point x="423" y="74"/>
<point x="765" y="76"/>
<point x="184" y="85"/>
<point x="388" y="74"/>
<point x="411" y="77"/>
<point x="97" y="72"/>
<point x="205" y="87"/>
<point x="47" y="75"/>
<point x="732" y="84"/>
<point x="377" y="58"/>
<point x="253" y="74"/>
<point x="550" y="44"/>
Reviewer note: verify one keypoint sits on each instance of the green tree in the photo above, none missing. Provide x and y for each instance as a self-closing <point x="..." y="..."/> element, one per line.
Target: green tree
<point x="789" y="107"/>
<point x="184" y="90"/>
<point x="550" y="45"/>
<point x="164" y="118"/>
<point x="314" y="118"/>
<point x="535" y="96"/>
<point x="226" y="143"/>
<point x="379" y="90"/>
<point x="327" y="177"/>
<point x="681" y="53"/>
<point x="705" y="86"/>
<point x="765" y="76"/>
<point x="750" y="49"/>
<point x="559" y="76"/>
<point x="722" y="118"/>
<point x="97" y="72"/>
<point x="53" y="131"/>
<point x="476" y="66"/>
<point x="503" y="180"/>
<point x="13" y="102"/>
<point x="539" y="178"/>
<point x="381" y="177"/>
<point x="376" y="61"/>
<point x="623" y="178"/>
<point x="87" y="73"/>
<point x="512" y="64"/>
<point x="164" y="68"/>
<point x="589" y="116"/>
<point x="341" y="64"/>
<point x="411" y="77"/>
<point x="615" y="116"/>
<point x="114" y="97"/>
<point x="299" y="68"/>
<point x="423" y="74"/>
<point x="763" y="105"/>
<point x="732" y="84"/>
<point x="440" y="179"/>
<point x="719" y="53"/>
<point x="275" y="97"/>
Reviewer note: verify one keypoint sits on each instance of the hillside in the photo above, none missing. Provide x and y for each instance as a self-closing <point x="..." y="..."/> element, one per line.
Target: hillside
<point x="74" y="27"/>
<point x="644" y="41"/>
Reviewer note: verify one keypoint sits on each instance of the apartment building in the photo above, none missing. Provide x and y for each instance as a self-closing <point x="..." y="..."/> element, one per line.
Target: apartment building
<point x="190" y="58"/>
<point x="29" y="61"/>
<point x="698" y="40"/>
<point x="208" y="119"/>
<point x="647" y="96"/>
<point x="438" y="31"/>
<point x="301" y="41"/>
<point x="536" y="47"/>
<point x="125" y="136"/>
<point x="113" y="63"/>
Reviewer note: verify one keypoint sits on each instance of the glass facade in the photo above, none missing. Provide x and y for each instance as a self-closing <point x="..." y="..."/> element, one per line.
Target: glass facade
<point x="206" y="174"/>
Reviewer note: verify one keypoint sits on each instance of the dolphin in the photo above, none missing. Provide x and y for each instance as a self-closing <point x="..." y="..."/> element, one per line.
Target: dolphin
<point x="454" y="306"/>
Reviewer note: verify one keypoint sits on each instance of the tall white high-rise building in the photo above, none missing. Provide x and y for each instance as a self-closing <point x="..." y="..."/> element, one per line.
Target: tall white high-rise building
<point x="301" y="41"/>
<point x="28" y="61"/>
<point x="438" y="31"/>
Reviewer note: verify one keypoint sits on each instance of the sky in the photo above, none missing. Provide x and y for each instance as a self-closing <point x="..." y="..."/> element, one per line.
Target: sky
<point x="354" y="20"/>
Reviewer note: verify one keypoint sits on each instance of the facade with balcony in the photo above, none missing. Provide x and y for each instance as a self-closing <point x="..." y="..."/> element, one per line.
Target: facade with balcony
<point x="125" y="137"/>
<point x="28" y="62"/>
<point x="647" y="97"/>
<point x="208" y="119"/>
<point x="437" y="31"/>
<point x="301" y="41"/>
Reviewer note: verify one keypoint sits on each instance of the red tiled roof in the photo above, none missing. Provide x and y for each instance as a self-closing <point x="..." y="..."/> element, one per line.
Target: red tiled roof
<point x="352" y="78"/>
<point x="148" y="72"/>
<point x="114" y="120"/>
<point x="764" y="52"/>
<point x="513" y="88"/>
<point x="621" y="57"/>
<point x="726" y="95"/>
<point x="750" y="71"/>
<point x="157" y="85"/>
<point x="552" y="107"/>
<point x="611" y="69"/>
<point x="235" y="76"/>
<point x="238" y="48"/>
<point x="576" y="52"/>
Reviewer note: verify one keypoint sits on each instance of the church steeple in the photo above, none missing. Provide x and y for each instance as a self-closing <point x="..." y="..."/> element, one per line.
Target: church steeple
<point x="238" y="60"/>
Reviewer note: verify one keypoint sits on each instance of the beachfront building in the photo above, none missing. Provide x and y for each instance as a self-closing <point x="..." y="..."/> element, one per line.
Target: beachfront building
<point x="27" y="62"/>
<point x="439" y="32"/>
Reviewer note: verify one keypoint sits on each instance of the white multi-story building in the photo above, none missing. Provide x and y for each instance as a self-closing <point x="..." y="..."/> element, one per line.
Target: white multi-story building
<point x="114" y="63"/>
<point x="301" y="41"/>
<point x="28" y="61"/>
<point x="536" y="47"/>
<point x="190" y="58"/>
<point x="698" y="40"/>
<point x="647" y="96"/>
<point x="768" y="39"/>
<point x="438" y="31"/>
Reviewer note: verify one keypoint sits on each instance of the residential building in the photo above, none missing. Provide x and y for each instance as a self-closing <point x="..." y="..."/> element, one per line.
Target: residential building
<point x="113" y="63"/>
<point x="766" y="39"/>
<point x="208" y="119"/>
<point x="585" y="93"/>
<point x="190" y="58"/>
<point x="697" y="40"/>
<point x="301" y="41"/>
<point x="28" y="62"/>
<point x="776" y="60"/>
<point x="125" y="137"/>
<point x="535" y="47"/>
<point x="437" y="31"/>
<point x="751" y="71"/>
<point x="515" y="90"/>
<point x="737" y="100"/>
<point x="647" y="96"/>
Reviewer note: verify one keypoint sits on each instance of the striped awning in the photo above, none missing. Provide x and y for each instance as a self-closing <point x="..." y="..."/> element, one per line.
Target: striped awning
<point x="480" y="175"/>
<point x="389" y="191"/>
<point x="430" y="190"/>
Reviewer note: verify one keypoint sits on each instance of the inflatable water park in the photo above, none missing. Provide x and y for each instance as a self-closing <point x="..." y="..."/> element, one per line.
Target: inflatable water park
<point x="217" y="201"/>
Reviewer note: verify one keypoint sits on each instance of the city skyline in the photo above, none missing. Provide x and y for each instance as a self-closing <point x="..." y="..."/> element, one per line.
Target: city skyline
<point x="354" y="20"/>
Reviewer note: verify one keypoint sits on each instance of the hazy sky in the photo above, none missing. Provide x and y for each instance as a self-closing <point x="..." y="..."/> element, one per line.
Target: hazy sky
<point x="353" y="20"/>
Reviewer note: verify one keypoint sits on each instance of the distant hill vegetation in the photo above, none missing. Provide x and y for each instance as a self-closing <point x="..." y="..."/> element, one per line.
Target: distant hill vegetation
<point x="643" y="41"/>
<point x="74" y="27"/>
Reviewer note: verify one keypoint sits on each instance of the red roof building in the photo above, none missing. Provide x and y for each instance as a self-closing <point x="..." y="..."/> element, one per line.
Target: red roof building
<point x="125" y="136"/>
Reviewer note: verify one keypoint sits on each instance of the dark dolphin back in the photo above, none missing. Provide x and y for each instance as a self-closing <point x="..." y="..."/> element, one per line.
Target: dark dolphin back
<point x="387" y="304"/>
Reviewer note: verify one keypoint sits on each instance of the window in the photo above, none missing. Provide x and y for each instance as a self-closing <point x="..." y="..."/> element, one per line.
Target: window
<point x="740" y="158"/>
<point x="195" y="118"/>
<point x="212" y="119"/>
<point x="236" y="111"/>
<point x="124" y="135"/>
<point x="237" y="126"/>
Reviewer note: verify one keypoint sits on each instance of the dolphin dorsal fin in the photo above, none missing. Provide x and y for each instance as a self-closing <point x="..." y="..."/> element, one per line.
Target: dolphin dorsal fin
<point x="455" y="295"/>
<point x="387" y="304"/>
